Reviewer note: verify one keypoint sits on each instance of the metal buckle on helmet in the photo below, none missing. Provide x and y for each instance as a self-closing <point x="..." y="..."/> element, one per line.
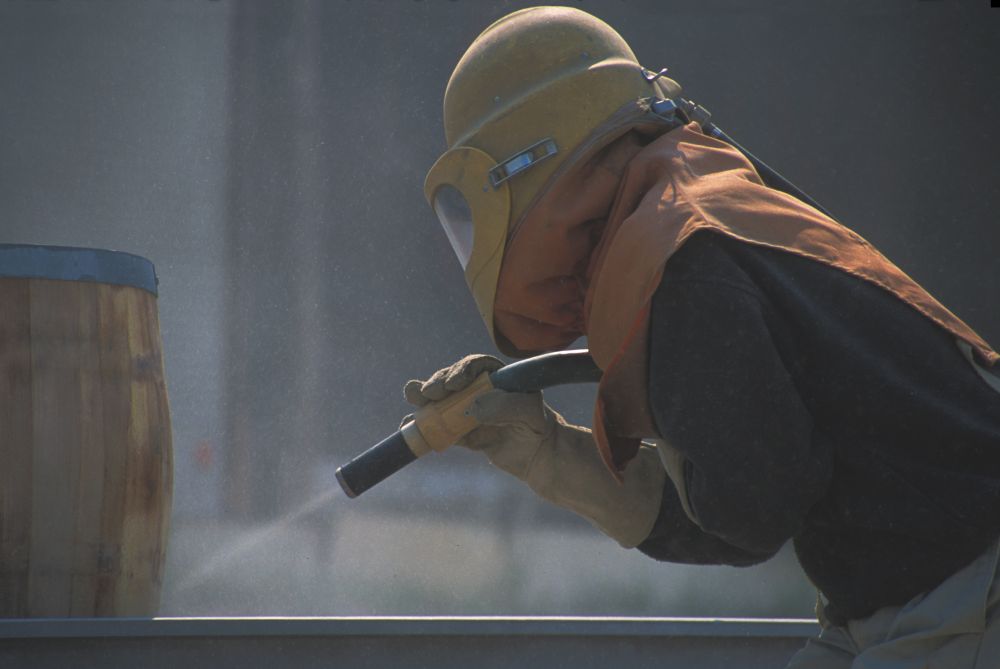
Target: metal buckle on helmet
<point x="651" y="76"/>
<point x="522" y="160"/>
<point x="664" y="108"/>
<point x="696" y="113"/>
<point x="681" y="110"/>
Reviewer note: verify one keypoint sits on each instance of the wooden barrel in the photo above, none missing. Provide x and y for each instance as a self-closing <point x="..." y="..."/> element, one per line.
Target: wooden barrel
<point x="85" y="454"/>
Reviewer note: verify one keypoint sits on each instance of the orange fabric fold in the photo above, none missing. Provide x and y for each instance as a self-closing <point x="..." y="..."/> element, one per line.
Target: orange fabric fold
<point x="682" y="182"/>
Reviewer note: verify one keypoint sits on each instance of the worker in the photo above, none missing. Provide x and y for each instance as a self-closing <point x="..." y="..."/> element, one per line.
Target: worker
<point x="768" y="375"/>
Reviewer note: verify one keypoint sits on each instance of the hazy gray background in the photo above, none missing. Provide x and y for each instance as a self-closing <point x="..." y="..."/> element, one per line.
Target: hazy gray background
<point x="269" y="159"/>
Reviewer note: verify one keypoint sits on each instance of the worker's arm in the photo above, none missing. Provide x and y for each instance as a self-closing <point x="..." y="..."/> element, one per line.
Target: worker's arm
<point x="522" y="435"/>
<point x="751" y="464"/>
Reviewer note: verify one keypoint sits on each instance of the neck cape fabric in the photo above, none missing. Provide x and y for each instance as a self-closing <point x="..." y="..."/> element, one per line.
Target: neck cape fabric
<point x="681" y="183"/>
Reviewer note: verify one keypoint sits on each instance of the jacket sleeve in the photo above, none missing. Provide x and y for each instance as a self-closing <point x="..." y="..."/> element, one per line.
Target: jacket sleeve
<point x="675" y="538"/>
<point x="722" y="397"/>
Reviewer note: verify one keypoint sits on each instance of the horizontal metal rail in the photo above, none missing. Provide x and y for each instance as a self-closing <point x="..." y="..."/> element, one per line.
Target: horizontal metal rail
<point x="55" y="628"/>
<point x="401" y="642"/>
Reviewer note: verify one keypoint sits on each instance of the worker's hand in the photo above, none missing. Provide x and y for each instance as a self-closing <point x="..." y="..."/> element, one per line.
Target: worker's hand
<point x="525" y="437"/>
<point x="512" y="427"/>
<point x="450" y="380"/>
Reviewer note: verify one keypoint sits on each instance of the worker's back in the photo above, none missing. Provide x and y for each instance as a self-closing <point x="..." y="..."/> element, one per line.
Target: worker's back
<point x="902" y="434"/>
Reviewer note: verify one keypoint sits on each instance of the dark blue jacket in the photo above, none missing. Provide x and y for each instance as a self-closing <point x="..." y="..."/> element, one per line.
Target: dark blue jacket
<point x="816" y="407"/>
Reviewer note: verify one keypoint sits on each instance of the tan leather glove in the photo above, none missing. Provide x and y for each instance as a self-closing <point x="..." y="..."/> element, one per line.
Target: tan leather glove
<point x="522" y="435"/>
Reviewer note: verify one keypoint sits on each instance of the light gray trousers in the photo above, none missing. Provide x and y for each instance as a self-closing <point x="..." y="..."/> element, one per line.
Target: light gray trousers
<point x="954" y="626"/>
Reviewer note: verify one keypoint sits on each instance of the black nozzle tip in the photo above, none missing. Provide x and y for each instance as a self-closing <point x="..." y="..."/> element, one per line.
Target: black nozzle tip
<point x="344" y="485"/>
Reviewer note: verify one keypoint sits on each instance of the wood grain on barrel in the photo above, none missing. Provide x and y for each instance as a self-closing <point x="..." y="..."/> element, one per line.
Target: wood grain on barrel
<point x="55" y="338"/>
<point x="114" y="364"/>
<point x="16" y="438"/>
<point x="86" y="466"/>
<point x="84" y="585"/>
<point x="149" y="463"/>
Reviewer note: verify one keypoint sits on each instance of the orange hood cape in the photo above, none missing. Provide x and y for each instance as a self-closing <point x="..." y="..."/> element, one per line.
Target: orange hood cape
<point x="682" y="182"/>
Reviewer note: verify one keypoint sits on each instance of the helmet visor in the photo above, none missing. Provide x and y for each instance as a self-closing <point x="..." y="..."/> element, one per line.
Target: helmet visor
<point x="474" y="216"/>
<point x="455" y="215"/>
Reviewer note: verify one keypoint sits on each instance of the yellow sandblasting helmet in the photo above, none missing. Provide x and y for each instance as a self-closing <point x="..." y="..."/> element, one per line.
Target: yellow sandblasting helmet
<point x="527" y="93"/>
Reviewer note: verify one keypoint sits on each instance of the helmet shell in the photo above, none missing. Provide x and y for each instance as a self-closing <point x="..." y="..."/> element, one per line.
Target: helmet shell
<point x="539" y="73"/>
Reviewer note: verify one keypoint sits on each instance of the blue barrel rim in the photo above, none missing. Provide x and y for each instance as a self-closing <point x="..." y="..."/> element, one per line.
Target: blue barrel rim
<point x="77" y="263"/>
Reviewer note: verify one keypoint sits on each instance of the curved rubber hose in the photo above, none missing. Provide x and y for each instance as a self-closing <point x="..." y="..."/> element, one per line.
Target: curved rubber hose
<point x="545" y="371"/>
<point x="533" y="374"/>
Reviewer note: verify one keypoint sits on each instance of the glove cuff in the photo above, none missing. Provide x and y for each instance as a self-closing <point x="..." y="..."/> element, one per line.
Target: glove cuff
<point x="569" y="472"/>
